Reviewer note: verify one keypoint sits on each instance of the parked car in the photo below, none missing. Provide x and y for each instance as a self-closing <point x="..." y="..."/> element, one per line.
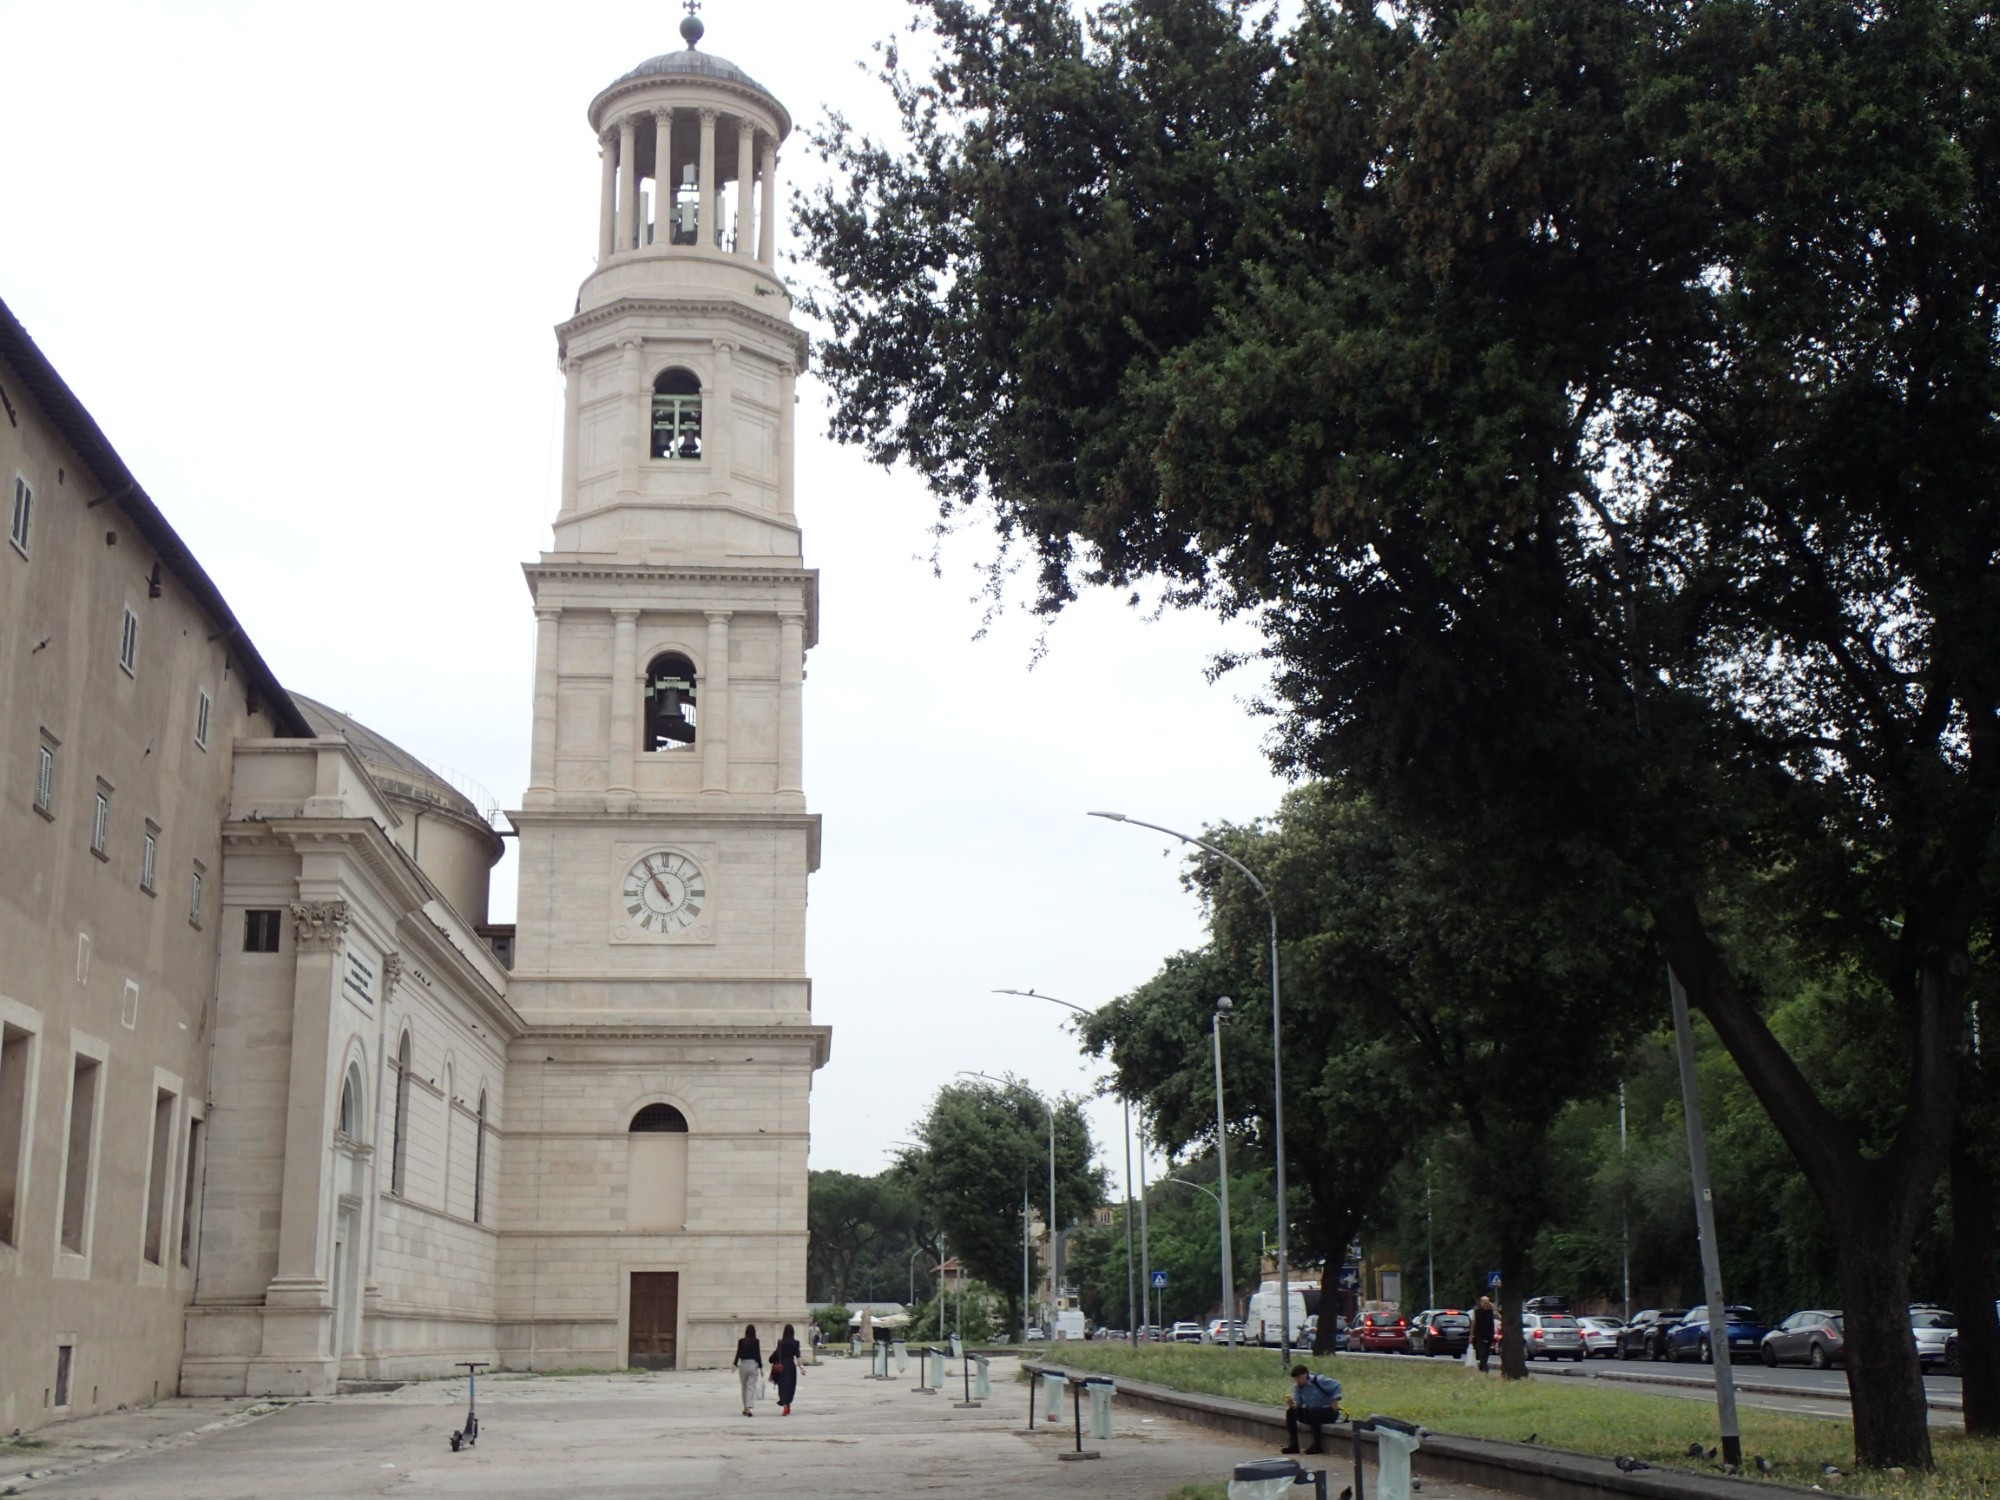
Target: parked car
<point x="1186" y="1333"/>
<point x="1382" y="1333"/>
<point x="1034" y="1336"/>
<point x="1600" y="1335"/>
<point x="1440" y="1330"/>
<point x="1307" y="1333"/>
<point x="1219" y="1330"/>
<point x="1817" y="1337"/>
<point x="1690" y="1338"/>
<point x="1950" y="1363"/>
<point x="1645" y="1337"/>
<point x="1933" y="1328"/>
<point x="1551" y="1336"/>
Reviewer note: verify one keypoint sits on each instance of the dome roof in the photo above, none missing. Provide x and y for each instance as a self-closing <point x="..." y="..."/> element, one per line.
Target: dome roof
<point x="689" y="63"/>
<point x="399" y="773"/>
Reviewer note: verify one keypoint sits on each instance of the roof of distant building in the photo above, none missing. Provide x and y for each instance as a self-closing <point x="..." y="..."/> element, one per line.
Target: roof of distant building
<point x="396" y="770"/>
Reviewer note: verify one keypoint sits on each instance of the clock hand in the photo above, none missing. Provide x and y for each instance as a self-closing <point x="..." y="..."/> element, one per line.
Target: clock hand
<point x="662" y="890"/>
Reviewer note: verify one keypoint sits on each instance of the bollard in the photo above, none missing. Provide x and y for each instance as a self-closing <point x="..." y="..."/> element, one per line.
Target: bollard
<point x="982" y="1380"/>
<point x="1076" y="1386"/>
<point x="965" y="1376"/>
<point x="1102" y="1388"/>
<point x="923" y="1385"/>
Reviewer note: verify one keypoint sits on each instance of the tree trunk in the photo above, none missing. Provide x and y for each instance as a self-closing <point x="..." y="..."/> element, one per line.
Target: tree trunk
<point x="1975" y="1284"/>
<point x="1513" y="1272"/>
<point x="1873" y="1204"/>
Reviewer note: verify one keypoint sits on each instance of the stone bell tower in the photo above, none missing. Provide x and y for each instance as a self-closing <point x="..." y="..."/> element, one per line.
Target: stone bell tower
<point x="658" y="1113"/>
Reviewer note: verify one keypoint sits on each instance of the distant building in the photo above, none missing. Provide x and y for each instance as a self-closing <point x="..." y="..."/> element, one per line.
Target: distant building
<point x="278" y="1105"/>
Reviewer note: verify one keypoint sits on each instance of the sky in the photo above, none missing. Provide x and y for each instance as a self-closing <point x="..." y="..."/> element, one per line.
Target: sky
<point x="303" y="265"/>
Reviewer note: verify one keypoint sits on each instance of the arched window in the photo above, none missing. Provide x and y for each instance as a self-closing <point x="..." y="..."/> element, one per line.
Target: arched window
<point x="479" y="1165"/>
<point x="400" y="1133"/>
<point x="677" y="414"/>
<point x="350" y="1103"/>
<point x="670" y="715"/>
<point x="659" y="1118"/>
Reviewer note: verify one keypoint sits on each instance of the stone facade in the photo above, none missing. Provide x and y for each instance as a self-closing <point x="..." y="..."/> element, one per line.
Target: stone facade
<point x="300" y="1122"/>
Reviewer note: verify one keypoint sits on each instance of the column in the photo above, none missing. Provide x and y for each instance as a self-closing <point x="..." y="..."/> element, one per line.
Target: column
<point x="319" y="935"/>
<point x="607" y="198"/>
<point x="634" y="442"/>
<point x="663" y="177"/>
<point x="767" y="222"/>
<point x="628" y="165"/>
<point x="706" y="235"/>
<point x="719" y="418"/>
<point x="791" y="676"/>
<point x="542" y="752"/>
<point x="788" y="381"/>
<point x="746" y="184"/>
<point x="714" y="705"/>
<point x="624" y="696"/>
<point x="572" y="431"/>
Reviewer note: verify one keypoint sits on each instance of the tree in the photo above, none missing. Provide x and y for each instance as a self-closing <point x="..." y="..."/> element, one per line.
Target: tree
<point x="859" y="1231"/>
<point x="1594" y="404"/>
<point x="984" y="1149"/>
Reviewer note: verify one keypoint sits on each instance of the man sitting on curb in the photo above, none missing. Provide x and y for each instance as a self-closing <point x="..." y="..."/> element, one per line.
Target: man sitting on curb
<point x="1315" y="1400"/>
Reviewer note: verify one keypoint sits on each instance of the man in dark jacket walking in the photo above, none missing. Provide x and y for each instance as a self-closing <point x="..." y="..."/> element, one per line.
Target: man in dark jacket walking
<point x="1483" y="1322"/>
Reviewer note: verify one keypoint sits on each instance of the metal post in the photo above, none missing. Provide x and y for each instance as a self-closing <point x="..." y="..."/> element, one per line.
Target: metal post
<point x="1704" y="1215"/>
<point x="1145" y="1237"/>
<point x="1131" y="1278"/>
<point x="1624" y="1206"/>
<point x="1223" y="1006"/>
<point x="1024" y="1269"/>
<point x="1430" y="1244"/>
<point x="1055" y="1268"/>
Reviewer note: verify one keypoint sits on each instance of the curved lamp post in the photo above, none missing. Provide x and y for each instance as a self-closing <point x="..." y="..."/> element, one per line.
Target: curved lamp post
<point x="1277" y="1070"/>
<point x="1054" y="1289"/>
<point x="1131" y="1278"/>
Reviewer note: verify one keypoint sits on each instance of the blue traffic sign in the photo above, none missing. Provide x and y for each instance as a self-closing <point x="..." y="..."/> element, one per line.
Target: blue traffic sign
<point x="1159" y="1280"/>
<point x="1493" y="1281"/>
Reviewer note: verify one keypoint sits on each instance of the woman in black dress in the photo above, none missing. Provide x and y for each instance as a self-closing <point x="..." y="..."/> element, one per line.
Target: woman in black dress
<point x="785" y="1368"/>
<point x="749" y="1365"/>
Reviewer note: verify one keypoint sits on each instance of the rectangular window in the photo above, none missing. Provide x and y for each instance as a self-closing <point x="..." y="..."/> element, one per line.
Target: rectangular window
<point x="45" y="778"/>
<point x="191" y="1170"/>
<point x="202" y="706"/>
<point x="260" y="931"/>
<point x="63" y="1352"/>
<point x="24" y="513"/>
<point x="156" y="1175"/>
<point x="149" y="858"/>
<point x="195" y="888"/>
<point x="17" y="1053"/>
<point x="77" y="1161"/>
<point x="100" y="821"/>
<point x="128" y="643"/>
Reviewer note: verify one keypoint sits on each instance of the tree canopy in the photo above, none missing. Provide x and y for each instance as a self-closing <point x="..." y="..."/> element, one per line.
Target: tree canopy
<point x="1594" y="404"/>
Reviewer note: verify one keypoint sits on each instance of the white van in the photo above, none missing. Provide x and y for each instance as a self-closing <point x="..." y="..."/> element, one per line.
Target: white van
<point x="1264" y="1325"/>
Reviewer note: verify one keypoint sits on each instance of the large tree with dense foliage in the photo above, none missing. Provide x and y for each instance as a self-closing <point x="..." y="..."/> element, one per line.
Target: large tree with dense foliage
<point x="1594" y="402"/>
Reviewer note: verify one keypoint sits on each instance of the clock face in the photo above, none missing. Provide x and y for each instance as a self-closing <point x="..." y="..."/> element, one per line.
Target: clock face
<point x="665" y="892"/>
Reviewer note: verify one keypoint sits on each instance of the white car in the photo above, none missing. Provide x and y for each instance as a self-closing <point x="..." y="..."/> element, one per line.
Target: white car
<point x="1186" y="1333"/>
<point x="1600" y="1336"/>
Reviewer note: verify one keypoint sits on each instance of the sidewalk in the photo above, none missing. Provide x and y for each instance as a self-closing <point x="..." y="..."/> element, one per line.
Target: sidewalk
<point x="64" y="1448"/>
<point x="641" y="1435"/>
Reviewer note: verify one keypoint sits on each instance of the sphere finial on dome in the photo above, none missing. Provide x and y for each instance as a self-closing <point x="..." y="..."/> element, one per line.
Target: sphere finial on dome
<point x="691" y="27"/>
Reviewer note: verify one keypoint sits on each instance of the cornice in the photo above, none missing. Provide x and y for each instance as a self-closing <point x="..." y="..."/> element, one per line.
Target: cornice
<point x="772" y="112"/>
<point x="782" y="329"/>
<point x="819" y="1038"/>
<point x="625" y="573"/>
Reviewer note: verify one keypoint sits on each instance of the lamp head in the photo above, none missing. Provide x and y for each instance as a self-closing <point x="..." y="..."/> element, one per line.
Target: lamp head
<point x="1224" y="1008"/>
<point x="1114" y="817"/>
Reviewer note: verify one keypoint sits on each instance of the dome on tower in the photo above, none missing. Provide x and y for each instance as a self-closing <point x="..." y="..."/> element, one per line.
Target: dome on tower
<point x="689" y="65"/>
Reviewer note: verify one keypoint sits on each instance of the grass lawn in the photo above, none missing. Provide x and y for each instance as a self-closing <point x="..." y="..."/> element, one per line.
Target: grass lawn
<point x="1448" y="1398"/>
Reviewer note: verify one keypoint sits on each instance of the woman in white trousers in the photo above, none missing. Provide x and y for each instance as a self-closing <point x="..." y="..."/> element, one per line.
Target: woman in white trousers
<point x="749" y="1366"/>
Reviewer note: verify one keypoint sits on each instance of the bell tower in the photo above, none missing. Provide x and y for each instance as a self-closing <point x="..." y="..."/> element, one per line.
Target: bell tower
<point x="664" y="838"/>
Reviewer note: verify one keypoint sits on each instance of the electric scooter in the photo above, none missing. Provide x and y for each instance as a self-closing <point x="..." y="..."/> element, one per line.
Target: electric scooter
<point x="468" y="1435"/>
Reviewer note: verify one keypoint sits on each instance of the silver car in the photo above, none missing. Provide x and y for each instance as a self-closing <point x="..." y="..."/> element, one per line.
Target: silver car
<point x="1551" y="1336"/>
<point x="1932" y="1328"/>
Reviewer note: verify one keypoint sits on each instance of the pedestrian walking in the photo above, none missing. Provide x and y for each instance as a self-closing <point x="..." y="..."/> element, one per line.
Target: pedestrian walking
<point x="1483" y="1321"/>
<point x="1315" y="1401"/>
<point x="785" y="1369"/>
<point x="749" y="1365"/>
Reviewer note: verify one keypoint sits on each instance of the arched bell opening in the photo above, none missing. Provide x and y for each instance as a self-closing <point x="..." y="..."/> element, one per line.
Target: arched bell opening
<point x="677" y="415"/>
<point x="670" y="702"/>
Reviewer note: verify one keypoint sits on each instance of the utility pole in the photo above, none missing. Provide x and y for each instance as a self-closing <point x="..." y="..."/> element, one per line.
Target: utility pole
<point x="1624" y="1204"/>
<point x="1704" y="1217"/>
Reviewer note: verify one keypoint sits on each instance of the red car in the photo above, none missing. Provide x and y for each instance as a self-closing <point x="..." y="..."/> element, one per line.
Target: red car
<point x="1381" y="1333"/>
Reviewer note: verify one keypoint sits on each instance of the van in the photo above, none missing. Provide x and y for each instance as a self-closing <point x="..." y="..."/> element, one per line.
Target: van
<point x="1264" y="1324"/>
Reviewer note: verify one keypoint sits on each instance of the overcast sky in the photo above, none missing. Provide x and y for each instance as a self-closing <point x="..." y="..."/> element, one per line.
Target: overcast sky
<point x="303" y="263"/>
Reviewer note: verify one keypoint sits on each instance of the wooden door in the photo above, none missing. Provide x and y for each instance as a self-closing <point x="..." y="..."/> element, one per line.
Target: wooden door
<point x="656" y="1309"/>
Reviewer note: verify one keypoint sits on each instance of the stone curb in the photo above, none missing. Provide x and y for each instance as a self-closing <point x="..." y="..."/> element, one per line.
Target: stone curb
<point x="1540" y="1473"/>
<point x="63" y="1466"/>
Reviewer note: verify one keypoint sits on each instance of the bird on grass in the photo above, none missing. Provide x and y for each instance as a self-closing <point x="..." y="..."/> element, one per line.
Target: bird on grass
<point x="1348" y="1493"/>
<point x="1764" y="1465"/>
<point x="1631" y="1465"/>
<point x="1831" y="1471"/>
<point x="1693" y="1450"/>
<point x="1531" y="1437"/>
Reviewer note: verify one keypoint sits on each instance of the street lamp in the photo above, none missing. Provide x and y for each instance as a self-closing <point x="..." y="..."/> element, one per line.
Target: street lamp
<point x="1224" y="1009"/>
<point x="1055" y="1289"/>
<point x="1131" y="1280"/>
<point x="1277" y="1071"/>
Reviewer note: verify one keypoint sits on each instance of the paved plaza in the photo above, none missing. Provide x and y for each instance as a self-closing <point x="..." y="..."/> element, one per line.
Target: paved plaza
<point x="627" y="1434"/>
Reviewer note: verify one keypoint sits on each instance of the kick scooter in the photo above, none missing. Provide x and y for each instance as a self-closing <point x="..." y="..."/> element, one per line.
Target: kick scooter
<point x="468" y="1435"/>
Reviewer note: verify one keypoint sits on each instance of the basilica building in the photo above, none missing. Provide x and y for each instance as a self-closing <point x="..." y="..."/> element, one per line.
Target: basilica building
<point x="279" y="1106"/>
